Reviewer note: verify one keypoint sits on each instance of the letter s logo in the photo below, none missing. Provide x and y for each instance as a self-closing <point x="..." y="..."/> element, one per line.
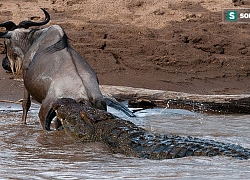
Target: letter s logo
<point x="231" y="15"/>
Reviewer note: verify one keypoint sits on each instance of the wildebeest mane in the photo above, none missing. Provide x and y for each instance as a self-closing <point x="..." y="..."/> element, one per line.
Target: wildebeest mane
<point x="61" y="44"/>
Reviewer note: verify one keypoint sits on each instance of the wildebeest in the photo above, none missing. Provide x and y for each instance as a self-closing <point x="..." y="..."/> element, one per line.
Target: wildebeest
<point x="51" y="68"/>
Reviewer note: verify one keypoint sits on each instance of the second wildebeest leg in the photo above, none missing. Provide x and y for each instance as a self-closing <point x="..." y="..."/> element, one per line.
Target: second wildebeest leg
<point x="26" y="105"/>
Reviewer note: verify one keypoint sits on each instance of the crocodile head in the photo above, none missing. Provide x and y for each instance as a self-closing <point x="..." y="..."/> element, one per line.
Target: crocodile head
<point x="77" y="125"/>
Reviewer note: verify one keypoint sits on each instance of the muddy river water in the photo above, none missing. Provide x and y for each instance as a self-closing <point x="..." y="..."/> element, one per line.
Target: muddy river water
<point x="28" y="152"/>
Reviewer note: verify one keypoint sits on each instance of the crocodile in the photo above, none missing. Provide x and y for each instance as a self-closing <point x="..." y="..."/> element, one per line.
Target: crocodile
<point x="87" y="124"/>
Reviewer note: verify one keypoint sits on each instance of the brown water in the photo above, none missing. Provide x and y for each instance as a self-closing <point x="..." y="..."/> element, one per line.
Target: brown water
<point x="28" y="152"/>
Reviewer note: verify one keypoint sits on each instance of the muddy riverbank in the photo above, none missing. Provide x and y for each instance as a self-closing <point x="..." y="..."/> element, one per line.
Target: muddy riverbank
<point x="166" y="45"/>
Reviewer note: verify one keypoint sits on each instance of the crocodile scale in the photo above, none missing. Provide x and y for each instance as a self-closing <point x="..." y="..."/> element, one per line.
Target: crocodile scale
<point x="87" y="124"/>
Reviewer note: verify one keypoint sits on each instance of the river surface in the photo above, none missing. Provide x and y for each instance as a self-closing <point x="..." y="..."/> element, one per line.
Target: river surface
<point x="28" y="152"/>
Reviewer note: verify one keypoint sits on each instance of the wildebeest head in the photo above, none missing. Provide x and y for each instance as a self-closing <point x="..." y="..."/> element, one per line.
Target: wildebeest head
<point x="18" y="40"/>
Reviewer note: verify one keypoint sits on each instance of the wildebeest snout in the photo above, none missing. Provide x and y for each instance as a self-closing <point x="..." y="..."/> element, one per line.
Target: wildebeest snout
<point x="6" y="64"/>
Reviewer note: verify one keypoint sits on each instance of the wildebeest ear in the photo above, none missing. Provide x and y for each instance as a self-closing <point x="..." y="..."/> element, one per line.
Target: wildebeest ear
<point x="6" y="34"/>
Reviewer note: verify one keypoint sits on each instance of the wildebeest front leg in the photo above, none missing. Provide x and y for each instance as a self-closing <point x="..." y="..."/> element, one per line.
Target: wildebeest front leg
<point x="45" y="112"/>
<point x="26" y="105"/>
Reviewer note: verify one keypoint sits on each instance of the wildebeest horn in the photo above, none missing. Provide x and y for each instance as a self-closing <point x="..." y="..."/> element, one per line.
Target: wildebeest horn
<point x="27" y="24"/>
<point x="9" y="25"/>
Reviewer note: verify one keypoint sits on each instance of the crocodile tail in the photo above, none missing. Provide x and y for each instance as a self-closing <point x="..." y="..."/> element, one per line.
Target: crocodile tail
<point x="153" y="146"/>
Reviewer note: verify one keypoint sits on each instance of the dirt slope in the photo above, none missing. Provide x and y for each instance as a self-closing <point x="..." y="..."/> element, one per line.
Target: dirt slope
<point x="168" y="45"/>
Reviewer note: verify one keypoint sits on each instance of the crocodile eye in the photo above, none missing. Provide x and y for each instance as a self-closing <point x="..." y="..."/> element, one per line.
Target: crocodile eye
<point x="80" y="136"/>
